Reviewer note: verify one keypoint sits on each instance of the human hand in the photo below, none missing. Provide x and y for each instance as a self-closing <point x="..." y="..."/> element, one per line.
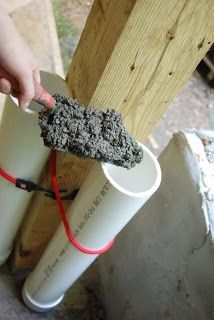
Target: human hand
<point x="18" y="68"/>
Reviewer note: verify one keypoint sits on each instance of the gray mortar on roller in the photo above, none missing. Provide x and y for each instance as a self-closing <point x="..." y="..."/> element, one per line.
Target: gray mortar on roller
<point x="89" y="133"/>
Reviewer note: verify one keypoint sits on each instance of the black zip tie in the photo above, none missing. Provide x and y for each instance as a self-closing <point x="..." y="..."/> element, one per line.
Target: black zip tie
<point x="70" y="196"/>
<point x="31" y="186"/>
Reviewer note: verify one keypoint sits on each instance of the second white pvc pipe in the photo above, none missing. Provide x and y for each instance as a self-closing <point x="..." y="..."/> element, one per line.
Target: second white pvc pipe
<point x="22" y="155"/>
<point x="108" y="199"/>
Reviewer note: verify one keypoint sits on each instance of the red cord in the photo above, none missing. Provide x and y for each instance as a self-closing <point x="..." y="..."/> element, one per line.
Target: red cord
<point x="54" y="182"/>
<point x="7" y="177"/>
<point x="63" y="215"/>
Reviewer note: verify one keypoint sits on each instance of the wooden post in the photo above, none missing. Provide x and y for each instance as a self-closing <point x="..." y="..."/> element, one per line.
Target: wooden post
<point x="133" y="56"/>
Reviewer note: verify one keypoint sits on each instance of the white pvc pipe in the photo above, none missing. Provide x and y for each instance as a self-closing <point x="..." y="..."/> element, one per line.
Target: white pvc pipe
<point x="107" y="200"/>
<point x="22" y="155"/>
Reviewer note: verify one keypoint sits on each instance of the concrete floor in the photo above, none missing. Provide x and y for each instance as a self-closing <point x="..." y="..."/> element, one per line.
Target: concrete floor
<point x="80" y="303"/>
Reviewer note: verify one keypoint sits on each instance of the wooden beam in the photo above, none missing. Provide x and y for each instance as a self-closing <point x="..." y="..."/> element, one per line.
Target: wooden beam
<point x="133" y="56"/>
<point x="104" y="26"/>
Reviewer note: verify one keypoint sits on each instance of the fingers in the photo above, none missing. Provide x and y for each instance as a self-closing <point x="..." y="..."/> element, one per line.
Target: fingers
<point x="22" y="87"/>
<point x="26" y="89"/>
<point x="5" y="86"/>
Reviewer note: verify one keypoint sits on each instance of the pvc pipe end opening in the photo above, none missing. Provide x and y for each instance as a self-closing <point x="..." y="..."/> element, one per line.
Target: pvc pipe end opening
<point x="137" y="182"/>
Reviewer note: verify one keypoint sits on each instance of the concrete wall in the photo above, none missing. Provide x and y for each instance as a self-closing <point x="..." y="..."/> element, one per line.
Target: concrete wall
<point x="162" y="264"/>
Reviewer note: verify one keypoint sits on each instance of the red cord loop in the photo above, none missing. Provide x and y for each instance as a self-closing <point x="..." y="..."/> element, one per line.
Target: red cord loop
<point x="63" y="215"/>
<point x="54" y="182"/>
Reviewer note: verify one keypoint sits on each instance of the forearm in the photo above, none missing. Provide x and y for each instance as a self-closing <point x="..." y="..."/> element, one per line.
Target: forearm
<point x="17" y="64"/>
<point x="6" y="27"/>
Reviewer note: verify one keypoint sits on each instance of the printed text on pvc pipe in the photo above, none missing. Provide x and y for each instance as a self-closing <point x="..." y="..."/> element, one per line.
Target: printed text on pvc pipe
<point x="51" y="266"/>
<point x="92" y="208"/>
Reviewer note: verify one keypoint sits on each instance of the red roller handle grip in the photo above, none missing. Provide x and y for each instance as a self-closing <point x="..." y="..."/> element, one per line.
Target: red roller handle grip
<point x="43" y="97"/>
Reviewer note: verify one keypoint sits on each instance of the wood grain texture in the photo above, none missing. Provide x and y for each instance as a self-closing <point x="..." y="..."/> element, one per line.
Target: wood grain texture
<point x="42" y="215"/>
<point x="137" y="71"/>
<point x="155" y="55"/>
<point x="103" y="28"/>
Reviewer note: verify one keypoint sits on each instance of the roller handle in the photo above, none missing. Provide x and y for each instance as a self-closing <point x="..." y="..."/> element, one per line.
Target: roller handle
<point x="43" y="97"/>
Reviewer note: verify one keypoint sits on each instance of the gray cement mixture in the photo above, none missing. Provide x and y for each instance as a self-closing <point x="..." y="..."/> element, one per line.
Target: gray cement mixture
<point x="89" y="133"/>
